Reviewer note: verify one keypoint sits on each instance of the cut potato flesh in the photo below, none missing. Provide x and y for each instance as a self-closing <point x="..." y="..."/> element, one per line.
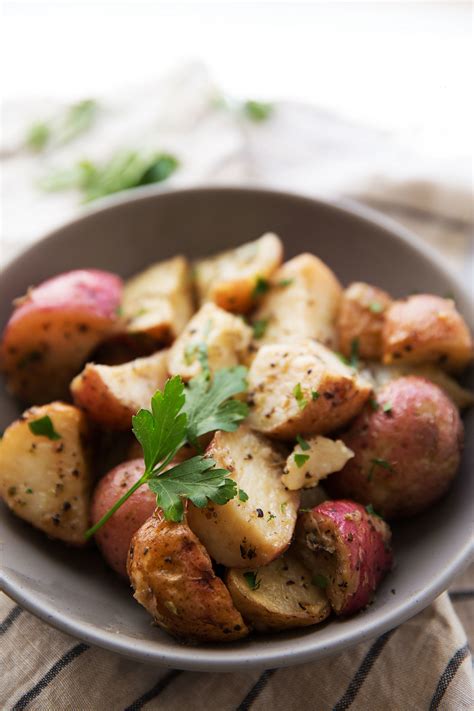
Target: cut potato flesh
<point x="231" y="279"/>
<point x="254" y="532"/>
<point x="111" y="395"/>
<point x="303" y="302"/>
<point x="361" y="320"/>
<point x="302" y="388"/>
<point x="221" y="336"/>
<point x="314" y="460"/>
<point x="279" y="596"/>
<point x="158" y="301"/>
<point x="44" y="481"/>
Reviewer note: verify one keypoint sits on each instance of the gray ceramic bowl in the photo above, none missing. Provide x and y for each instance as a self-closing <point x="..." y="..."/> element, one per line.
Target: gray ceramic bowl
<point x="73" y="590"/>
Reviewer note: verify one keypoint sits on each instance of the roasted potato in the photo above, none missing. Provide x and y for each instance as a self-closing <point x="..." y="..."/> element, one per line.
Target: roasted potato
<point x="426" y="329"/>
<point x="278" y="596"/>
<point x="303" y="302"/>
<point x="53" y="330"/>
<point x="158" y="302"/>
<point x="406" y="452"/>
<point x="225" y="338"/>
<point x="45" y="479"/>
<point x="250" y="533"/>
<point x="302" y="388"/>
<point x="111" y="394"/>
<point x="173" y="578"/>
<point x="313" y="460"/>
<point x="233" y="279"/>
<point x="115" y="536"/>
<point x="348" y="551"/>
<point x="361" y="320"/>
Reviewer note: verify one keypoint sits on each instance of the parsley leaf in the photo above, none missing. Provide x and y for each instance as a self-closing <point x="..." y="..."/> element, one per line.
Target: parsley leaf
<point x="285" y="282"/>
<point x="303" y="443"/>
<point x="38" y="136"/>
<point x="243" y="496"/>
<point x="354" y="357"/>
<point x="314" y="394"/>
<point x="261" y="287"/>
<point x="259" y="327"/>
<point x="43" y="426"/>
<point x="299" y="397"/>
<point x="257" y="111"/>
<point x="300" y="459"/>
<point x="374" y="404"/>
<point x="387" y="407"/>
<point x="376" y="307"/>
<point x="371" y="511"/>
<point x="378" y="463"/>
<point x="251" y="580"/>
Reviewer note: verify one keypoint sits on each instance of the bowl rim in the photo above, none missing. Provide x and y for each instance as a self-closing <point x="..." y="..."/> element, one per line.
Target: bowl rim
<point x="282" y="653"/>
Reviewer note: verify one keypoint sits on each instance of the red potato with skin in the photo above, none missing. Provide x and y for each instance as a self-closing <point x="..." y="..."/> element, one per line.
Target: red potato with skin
<point x="54" y="328"/>
<point x="348" y="550"/>
<point x="114" y="537"/>
<point x="406" y="452"/>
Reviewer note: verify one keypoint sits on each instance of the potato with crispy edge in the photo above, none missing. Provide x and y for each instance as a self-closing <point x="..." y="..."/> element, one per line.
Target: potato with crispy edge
<point x="45" y="479"/>
<point x="253" y="532"/>
<point x="278" y="596"/>
<point x="53" y="330"/>
<point x="224" y="337"/>
<point x="406" y="452"/>
<point x="313" y="460"/>
<point x="158" y="302"/>
<point x="302" y="388"/>
<point x="173" y="578"/>
<point x="361" y="320"/>
<point x="303" y="302"/>
<point x="233" y="279"/>
<point x="426" y="329"/>
<point x="111" y="394"/>
<point x="348" y="550"/>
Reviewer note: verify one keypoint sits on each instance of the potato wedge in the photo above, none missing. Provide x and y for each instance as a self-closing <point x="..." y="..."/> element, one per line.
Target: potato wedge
<point x="172" y="576"/>
<point x="426" y="329"/>
<point x="158" y="302"/>
<point x="251" y="533"/>
<point x="302" y="388"/>
<point x="54" y="329"/>
<point x="278" y="596"/>
<point x="303" y="302"/>
<point x="231" y="279"/>
<point x="313" y="460"/>
<point x="225" y="337"/>
<point x="361" y="320"/>
<point x="111" y="394"/>
<point x="45" y="481"/>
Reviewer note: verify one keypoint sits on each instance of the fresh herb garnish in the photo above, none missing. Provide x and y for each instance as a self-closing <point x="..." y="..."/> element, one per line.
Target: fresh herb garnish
<point x="37" y="136"/>
<point x="342" y="358"/>
<point x="374" y="404"/>
<point x="261" y="287"/>
<point x="257" y="110"/>
<point x="315" y="395"/>
<point x="63" y="128"/>
<point x="387" y="407"/>
<point x="370" y="510"/>
<point x="320" y="581"/>
<point x="376" y="307"/>
<point x="300" y="459"/>
<point x="354" y="357"/>
<point x="44" y="427"/>
<point x="304" y="510"/>
<point x="251" y="580"/>
<point x="285" y="282"/>
<point x="378" y="463"/>
<point x="283" y="506"/>
<point x="259" y="327"/>
<point x="303" y="443"/>
<point x="28" y="490"/>
<point x="270" y="516"/>
<point x="299" y="397"/>
<point x="243" y="496"/>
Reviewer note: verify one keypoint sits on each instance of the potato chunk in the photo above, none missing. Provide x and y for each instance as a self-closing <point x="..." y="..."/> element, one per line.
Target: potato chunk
<point x="251" y="533"/>
<point x="278" y="596"/>
<point x="303" y="302"/>
<point x="158" y="301"/>
<point x="231" y="279"/>
<point x="112" y="394"/>
<point x="313" y="460"/>
<point x="44" y="481"/>
<point x="361" y="320"/>
<point x="172" y="575"/>
<point x="224" y="337"/>
<point x="302" y="388"/>
<point x="426" y="329"/>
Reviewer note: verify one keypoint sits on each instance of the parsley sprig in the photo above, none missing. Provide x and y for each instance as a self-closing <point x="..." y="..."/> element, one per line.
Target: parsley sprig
<point x="181" y="415"/>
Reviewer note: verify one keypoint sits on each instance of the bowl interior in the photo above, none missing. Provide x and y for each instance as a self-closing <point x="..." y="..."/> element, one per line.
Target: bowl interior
<point x="73" y="589"/>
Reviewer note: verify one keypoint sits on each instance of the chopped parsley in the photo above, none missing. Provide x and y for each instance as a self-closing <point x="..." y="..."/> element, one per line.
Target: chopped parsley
<point x="299" y="397"/>
<point x="270" y="516"/>
<point x="257" y="111"/>
<point x="378" y="463"/>
<point x="44" y="427"/>
<point x="283" y="506"/>
<point x="370" y="510"/>
<point x="376" y="307"/>
<point x="243" y="496"/>
<point x="374" y="404"/>
<point x="315" y="395"/>
<point x="387" y="407"/>
<point x="300" y="459"/>
<point x="303" y="443"/>
<point x="259" y="327"/>
<point x="320" y="581"/>
<point x="251" y="580"/>
<point x="354" y="357"/>
<point x="285" y="282"/>
<point x="261" y="287"/>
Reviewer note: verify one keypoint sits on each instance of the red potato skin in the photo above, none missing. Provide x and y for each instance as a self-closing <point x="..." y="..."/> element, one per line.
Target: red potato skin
<point x="362" y="554"/>
<point x="420" y="437"/>
<point x="114" y="537"/>
<point x="54" y="328"/>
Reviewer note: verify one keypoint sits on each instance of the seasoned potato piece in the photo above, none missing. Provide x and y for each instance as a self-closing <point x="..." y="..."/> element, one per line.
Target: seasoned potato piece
<point x="54" y="329"/>
<point x="225" y="337"/>
<point x="313" y="460"/>
<point x="47" y="481"/>
<point x="232" y="279"/>
<point x="251" y="533"/>
<point x="361" y="320"/>
<point x="172" y="575"/>
<point x="302" y="388"/>
<point x="278" y="596"/>
<point x="158" y="301"/>
<point x="426" y="329"/>
<point x="303" y="302"/>
<point x="112" y="394"/>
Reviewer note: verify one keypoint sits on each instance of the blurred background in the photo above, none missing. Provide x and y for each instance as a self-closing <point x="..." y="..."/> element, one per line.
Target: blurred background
<point x="371" y="100"/>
